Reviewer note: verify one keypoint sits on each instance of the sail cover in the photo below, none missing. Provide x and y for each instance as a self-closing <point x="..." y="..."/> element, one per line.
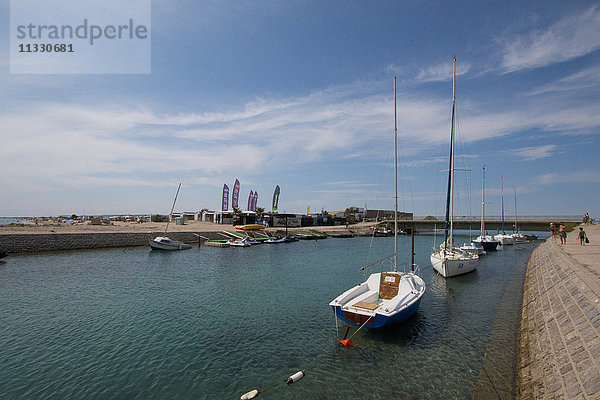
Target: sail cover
<point x="276" y="198"/>
<point x="236" y="194"/>
<point x="225" y="204"/>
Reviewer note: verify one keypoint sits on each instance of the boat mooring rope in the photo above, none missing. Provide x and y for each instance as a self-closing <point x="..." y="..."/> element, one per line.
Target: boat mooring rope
<point x="359" y="328"/>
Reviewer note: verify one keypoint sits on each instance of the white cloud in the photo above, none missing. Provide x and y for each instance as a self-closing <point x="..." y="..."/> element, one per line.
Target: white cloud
<point x="88" y="146"/>
<point x="580" y="176"/>
<point x="442" y="72"/>
<point x="535" y="153"/>
<point x="582" y="80"/>
<point x="572" y="36"/>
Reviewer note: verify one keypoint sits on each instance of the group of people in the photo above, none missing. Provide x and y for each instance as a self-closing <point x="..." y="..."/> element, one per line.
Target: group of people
<point x="561" y="230"/>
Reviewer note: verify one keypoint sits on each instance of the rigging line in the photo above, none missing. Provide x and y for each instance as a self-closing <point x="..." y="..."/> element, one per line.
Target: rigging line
<point x="467" y="160"/>
<point x="337" y="333"/>
<point x="368" y="319"/>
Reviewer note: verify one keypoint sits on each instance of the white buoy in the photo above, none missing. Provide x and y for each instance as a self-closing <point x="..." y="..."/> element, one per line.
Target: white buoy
<point x="295" y="378"/>
<point x="250" y="395"/>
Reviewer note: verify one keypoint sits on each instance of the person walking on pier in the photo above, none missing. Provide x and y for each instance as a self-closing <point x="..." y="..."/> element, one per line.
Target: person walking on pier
<point x="562" y="233"/>
<point x="582" y="237"/>
<point x="552" y="229"/>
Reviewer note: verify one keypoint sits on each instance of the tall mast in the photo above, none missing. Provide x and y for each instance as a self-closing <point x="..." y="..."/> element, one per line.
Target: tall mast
<point x="171" y="213"/>
<point x="452" y="147"/>
<point x="395" y="182"/>
<point x="483" y="205"/>
<point x="502" y="202"/>
<point x="450" y="191"/>
<point x="516" y="228"/>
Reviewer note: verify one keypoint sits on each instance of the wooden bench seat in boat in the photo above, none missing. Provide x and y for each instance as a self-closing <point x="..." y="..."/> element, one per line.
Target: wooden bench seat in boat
<point x="365" y="305"/>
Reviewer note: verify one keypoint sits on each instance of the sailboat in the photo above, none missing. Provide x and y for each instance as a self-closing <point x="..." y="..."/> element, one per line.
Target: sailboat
<point x="449" y="260"/>
<point x="503" y="238"/>
<point x="385" y="297"/>
<point x="163" y="242"/>
<point x="519" y="237"/>
<point x="483" y="240"/>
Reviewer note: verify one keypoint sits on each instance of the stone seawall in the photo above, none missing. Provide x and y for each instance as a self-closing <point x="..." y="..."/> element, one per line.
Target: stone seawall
<point x="559" y="333"/>
<point x="22" y="243"/>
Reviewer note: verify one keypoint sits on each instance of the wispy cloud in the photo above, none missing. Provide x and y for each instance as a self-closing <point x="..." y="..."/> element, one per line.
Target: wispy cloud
<point x="535" y="153"/>
<point x="570" y="37"/>
<point x="582" y="80"/>
<point x="441" y="72"/>
<point x="580" y="176"/>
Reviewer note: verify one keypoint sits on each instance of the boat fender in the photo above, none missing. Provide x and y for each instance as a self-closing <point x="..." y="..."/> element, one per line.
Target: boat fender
<point x="295" y="378"/>
<point x="250" y="395"/>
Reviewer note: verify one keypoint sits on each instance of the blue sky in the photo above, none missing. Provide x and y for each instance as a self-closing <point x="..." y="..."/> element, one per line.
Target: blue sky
<point x="300" y="94"/>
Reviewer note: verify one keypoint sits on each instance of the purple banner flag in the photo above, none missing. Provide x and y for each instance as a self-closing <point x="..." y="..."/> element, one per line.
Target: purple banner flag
<point x="255" y="201"/>
<point x="275" y="199"/>
<point x="225" y="204"/>
<point x="250" y="198"/>
<point x="236" y="194"/>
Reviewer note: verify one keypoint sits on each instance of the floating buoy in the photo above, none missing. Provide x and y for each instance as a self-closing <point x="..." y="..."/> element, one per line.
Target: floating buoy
<point x="250" y="395"/>
<point x="295" y="378"/>
<point x="346" y="342"/>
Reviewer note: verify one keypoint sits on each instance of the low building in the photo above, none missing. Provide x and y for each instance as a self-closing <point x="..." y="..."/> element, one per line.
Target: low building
<point x="386" y="215"/>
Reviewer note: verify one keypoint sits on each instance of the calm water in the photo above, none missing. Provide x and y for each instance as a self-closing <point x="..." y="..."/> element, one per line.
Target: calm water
<point x="216" y="323"/>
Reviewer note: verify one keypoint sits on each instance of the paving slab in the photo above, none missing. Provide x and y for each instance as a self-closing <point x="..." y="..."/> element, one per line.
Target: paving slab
<point x="559" y="331"/>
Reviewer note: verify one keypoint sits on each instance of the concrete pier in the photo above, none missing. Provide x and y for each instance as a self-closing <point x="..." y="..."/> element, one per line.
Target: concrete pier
<point x="559" y="332"/>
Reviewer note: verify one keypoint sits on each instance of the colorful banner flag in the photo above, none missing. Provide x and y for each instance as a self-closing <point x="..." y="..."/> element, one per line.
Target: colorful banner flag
<point x="250" y="200"/>
<point x="236" y="194"/>
<point x="275" y="198"/>
<point x="225" y="204"/>
<point x="255" y="201"/>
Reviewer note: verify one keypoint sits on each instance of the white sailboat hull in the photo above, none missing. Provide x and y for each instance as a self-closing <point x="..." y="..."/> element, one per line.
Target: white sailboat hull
<point x="504" y="239"/>
<point x="453" y="263"/>
<point x="164" y="243"/>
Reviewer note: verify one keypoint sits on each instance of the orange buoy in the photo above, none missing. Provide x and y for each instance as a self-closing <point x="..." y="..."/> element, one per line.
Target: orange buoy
<point x="346" y="342"/>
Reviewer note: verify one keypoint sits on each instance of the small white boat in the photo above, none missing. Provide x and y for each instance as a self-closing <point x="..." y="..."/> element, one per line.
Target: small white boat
<point x="239" y="243"/>
<point x="274" y="240"/>
<point x="473" y="249"/>
<point x="487" y="242"/>
<point x="252" y="241"/>
<point x="504" y="239"/>
<point x="519" y="237"/>
<point x="453" y="261"/>
<point x="164" y="243"/>
<point x="385" y="298"/>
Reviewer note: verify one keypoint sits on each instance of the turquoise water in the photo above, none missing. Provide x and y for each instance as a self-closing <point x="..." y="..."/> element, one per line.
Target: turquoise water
<point x="215" y="323"/>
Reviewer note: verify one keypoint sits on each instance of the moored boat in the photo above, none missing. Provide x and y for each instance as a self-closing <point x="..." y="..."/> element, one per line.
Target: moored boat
<point x="239" y="243"/>
<point x="449" y="260"/>
<point x="487" y="243"/>
<point x="385" y="297"/>
<point x="164" y="243"/>
<point x="504" y="238"/>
